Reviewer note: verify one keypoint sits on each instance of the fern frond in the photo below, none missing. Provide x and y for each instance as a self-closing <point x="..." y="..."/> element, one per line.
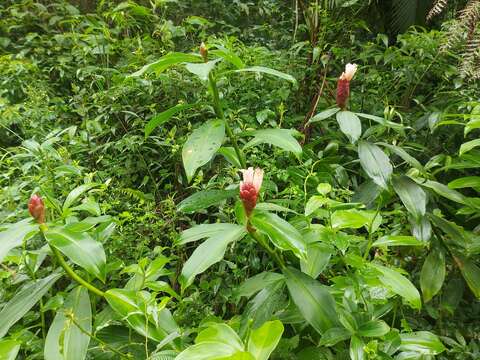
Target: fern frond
<point x="438" y="7"/>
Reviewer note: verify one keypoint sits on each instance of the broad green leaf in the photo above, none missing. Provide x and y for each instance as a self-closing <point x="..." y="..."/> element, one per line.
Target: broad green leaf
<point x="433" y="274"/>
<point x="9" y="349"/>
<point x="314" y="203"/>
<point x="422" y="342"/>
<point x="213" y="351"/>
<point x="470" y="272"/>
<point x="203" y="69"/>
<point x="201" y="145"/>
<point x="203" y="199"/>
<point x="350" y="125"/>
<point x="229" y="56"/>
<point x="13" y="235"/>
<point x="258" y="282"/>
<point x="421" y="229"/>
<point x="375" y="163"/>
<point x="334" y="335"/>
<point x="412" y="195"/>
<point x="318" y="256"/>
<point x="131" y="307"/>
<point x="398" y="240"/>
<point x="265" y="70"/>
<point x="312" y="299"/>
<point x="349" y="219"/>
<point x="167" y="61"/>
<point x="208" y="253"/>
<point x="164" y="116"/>
<point x="73" y="196"/>
<point x="281" y="233"/>
<point x="405" y="156"/>
<point x="23" y="301"/>
<point x="264" y="340"/>
<point x="469" y="145"/>
<point x="282" y="138"/>
<point x="81" y="248"/>
<point x="206" y="231"/>
<point x="445" y="191"/>
<point x="356" y="348"/>
<point x="399" y="284"/>
<point x="220" y="333"/>
<point x="325" y="114"/>
<point x="65" y="341"/>
<point x="373" y="328"/>
<point x="465" y="182"/>
<point x="230" y="155"/>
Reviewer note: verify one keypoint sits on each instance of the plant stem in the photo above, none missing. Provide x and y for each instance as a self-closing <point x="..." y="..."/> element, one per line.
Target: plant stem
<point x="103" y="343"/>
<point x="68" y="269"/>
<point x="219" y="112"/>
<point x="278" y="259"/>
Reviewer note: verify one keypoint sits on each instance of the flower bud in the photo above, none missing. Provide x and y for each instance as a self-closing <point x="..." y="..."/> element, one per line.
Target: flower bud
<point x="204" y="51"/>
<point x="37" y="208"/>
<point x="250" y="188"/>
<point x="343" y="85"/>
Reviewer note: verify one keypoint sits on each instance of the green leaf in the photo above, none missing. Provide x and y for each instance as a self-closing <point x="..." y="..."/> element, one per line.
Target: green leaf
<point x="356" y="348"/>
<point x="201" y="145"/>
<point x="350" y="125"/>
<point x="398" y="240"/>
<point x="412" y="195"/>
<point x="312" y="299"/>
<point x="81" y="248"/>
<point x="264" y="340"/>
<point x="433" y="274"/>
<point x="282" y="138"/>
<point x="281" y="233"/>
<point x="373" y="328"/>
<point x="399" y="284"/>
<point x="265" y="70"/>
<point x="203" y="69"/>
<point x="206" y="231"/>
<point x="445" y="191"/>
<point x="229" y="56"/>
<point x="422" y="342"/>
<point x="131" y="306"/>
<point x="9" y="349"/>
<point x="352" y="219"/>
<point x="213" y="351"/>
<point x="470" y="272"/>
<point x="405" y="156"/>
<point x="318" y="256"/>
<point x="325" y="114"/>
<point x="208" y="253"/>
<point x="314" y="203"/>
<point x="13" y="235"/>
<point x="465" y="182"/>
<point x="469" y="145"/>
<point x="64" y="340"/>
<point x="164" y="116"/>
<point x="203" y="199"/>
<point x="167" y="61"/>
<point x="258" y="282"/>
<point x="23" y="301"/>
<point x="73" y="196"/>
<point x="375" y="163"/>
<point x="334" y="335"/>
<point x="230" y="155"/>
<point x="220" y="333"/>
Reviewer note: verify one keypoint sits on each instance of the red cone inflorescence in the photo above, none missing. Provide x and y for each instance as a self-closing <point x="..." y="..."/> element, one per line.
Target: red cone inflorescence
<point x="204" y="51"/>
<point x="250" y="188"/>
<point x="343" y="85"/>
<point x="36" y="208"/>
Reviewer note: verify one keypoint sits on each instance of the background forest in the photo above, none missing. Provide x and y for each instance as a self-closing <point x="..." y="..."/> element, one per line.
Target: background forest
<point x="244" y="180"/>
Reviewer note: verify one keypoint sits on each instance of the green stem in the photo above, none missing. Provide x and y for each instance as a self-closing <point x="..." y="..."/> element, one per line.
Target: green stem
<point x="68" y="269"/>
<point x="278" y="259"/>
<point x="101" y="342"/>
<point x="219" y="112"/>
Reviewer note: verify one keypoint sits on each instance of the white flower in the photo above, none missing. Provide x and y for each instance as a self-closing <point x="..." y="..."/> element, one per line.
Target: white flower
<point x="252" y="177"/>
<point x="350" y="70"/>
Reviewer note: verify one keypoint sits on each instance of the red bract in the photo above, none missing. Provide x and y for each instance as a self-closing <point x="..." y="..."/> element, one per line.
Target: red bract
<point x="36" y="208"/>
<point x="250" y="188"/>
<point x="204" y="52"/>
<point x="343" y="85"/>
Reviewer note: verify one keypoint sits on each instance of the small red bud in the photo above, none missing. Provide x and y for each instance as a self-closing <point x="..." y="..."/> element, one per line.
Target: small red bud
<point x="36" y="208"/>
<point x="204" y="52"/>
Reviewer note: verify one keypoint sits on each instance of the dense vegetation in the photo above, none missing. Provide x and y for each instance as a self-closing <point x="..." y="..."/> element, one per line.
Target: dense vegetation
<point x="213" y="179"/>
